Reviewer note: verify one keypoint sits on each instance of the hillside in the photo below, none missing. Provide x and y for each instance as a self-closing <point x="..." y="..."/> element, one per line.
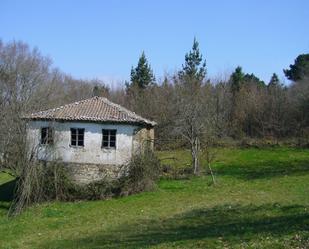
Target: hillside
<point x="261" y="201"/>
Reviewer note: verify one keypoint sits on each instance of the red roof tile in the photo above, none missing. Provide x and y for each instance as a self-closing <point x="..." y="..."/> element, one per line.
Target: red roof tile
<point x="96" y="109"/>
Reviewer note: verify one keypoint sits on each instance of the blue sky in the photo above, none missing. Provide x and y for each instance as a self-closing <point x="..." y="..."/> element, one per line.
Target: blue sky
<point x="103" y="39"/>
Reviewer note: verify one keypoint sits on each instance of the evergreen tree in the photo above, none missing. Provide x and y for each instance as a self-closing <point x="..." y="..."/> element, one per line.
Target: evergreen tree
<point x="252" y="79"/>
<point x="142" y="75"/>
<point x="237" y="79"/>
<point x="300" y="69"/>
<point x="274" y="80"/>
<point x="195" y="66"/>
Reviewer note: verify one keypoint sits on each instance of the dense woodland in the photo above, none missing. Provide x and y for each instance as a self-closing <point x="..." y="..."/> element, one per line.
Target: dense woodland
<point x="191" y="109"/>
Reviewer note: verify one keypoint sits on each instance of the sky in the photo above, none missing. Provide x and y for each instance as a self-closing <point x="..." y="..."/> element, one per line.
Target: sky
<point x="104" y="39"/>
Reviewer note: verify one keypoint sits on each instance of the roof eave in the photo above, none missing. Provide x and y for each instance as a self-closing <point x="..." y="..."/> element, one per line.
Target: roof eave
<point x="144" y="123"/>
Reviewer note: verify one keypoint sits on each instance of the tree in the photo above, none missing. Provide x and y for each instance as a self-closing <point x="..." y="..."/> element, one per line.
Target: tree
<point x="190" y="109"/>
<point x="236" y="82"/>
<point x="299" y="70"/>
<point x="137" y="90"/>
<point x="222" y="100"/>
<point x="29" y="83"/>
<point x="24" y="74"/>
<point x="274" y="80"/>
<point x="252" y="79"/>
<point x="299" y="104"/>
<point x="195" y="66"/>
<point x="100" y="89"/>
<point x="276" y="108"/>
<point x="237" y="79"/>
<point x="142" y="75"/>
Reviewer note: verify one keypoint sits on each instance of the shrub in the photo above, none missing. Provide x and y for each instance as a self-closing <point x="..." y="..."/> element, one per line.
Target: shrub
<point x="57" y="184"/>
<point x="141" y="173"/>
<point x="98" y="190"/>
<point x="40" y="182"/>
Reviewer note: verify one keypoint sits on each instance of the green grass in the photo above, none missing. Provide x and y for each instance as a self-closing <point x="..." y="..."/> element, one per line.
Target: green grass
<point x="261" y="201"/>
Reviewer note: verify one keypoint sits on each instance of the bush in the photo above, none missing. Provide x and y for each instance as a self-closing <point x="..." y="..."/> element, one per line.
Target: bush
<point x="57" y="184"/>
<point x="39" y="182"/>
<point x="98" y="190"/>
<point x="46" y="182"/>
<point x="141" y="173"/>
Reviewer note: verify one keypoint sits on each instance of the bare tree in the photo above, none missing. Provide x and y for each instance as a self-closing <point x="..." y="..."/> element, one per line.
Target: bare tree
<point x="190" y="122"/>
<point x="299" y="115"/>
<point x="276" y="109"/>
<point x="23" y="74"/>
<point x="190" y="119"/>
<point x="29" y="83"/>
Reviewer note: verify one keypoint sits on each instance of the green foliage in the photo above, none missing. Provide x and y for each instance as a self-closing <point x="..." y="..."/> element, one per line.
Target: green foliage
<point x="300" y="69"/>
<point x="252" y="79"/>
<point x="142" y="75"/>
<point x="274" y="80"/>
<point x="237" y="79"/>
<point x="194" y="67"/>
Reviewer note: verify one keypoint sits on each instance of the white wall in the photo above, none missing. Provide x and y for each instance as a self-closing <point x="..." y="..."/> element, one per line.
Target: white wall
<point x="92" y="152"/>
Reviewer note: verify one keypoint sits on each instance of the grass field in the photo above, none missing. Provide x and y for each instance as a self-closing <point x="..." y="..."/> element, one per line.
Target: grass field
<point x="261" y="201"/>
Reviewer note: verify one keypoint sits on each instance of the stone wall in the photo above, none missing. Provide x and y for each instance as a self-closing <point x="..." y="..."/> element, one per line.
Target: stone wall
<point x="87" y="173"/>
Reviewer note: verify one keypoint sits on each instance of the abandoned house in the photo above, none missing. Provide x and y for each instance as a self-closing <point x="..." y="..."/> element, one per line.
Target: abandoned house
<point x="93" y="137"/>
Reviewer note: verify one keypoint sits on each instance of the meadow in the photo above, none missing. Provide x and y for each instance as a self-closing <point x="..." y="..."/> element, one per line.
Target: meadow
<point x="261" y="200"/>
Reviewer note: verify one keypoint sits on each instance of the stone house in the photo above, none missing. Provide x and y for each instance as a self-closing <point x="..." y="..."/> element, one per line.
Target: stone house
<point x="93" y="137"/>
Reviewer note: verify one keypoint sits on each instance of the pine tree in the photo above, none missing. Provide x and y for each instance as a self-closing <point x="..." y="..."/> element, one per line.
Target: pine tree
<point x="274" y="80"/>
<point x="300" y="69"/>
<point x="194" y="67"/>
<point x="253" y="80"/>
<point x="237" y="79"/>
<point x="142" y="75"/>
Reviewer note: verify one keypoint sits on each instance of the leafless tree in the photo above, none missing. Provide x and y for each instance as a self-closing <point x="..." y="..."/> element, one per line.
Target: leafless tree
<point x="299" y="116"/>
<point x="23" y="75"/>
<point x="29" y="83"/>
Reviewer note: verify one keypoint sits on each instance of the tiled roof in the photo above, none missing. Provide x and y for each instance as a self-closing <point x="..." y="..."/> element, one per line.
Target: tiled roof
<point x="96" y="109"/>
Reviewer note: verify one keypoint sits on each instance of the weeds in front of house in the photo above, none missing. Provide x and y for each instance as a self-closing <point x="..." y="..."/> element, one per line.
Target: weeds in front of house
<point x="41" y="182"/>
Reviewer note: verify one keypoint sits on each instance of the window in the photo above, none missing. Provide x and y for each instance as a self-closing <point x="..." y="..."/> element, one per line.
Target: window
<point x="47" y="135"/>
<point x="77" y="136"/>
<point x="109" y="139"/>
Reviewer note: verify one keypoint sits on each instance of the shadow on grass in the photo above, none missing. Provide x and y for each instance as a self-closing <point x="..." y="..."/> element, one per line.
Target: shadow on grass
<point x="231" y="223"/>
<point x="264" y="169"/>
<point x="7" y="191"/>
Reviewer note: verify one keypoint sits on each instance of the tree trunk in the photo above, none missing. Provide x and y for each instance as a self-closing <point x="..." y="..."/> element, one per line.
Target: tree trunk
<point x="195" y="156"/>
<point x="212" y="174"/>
